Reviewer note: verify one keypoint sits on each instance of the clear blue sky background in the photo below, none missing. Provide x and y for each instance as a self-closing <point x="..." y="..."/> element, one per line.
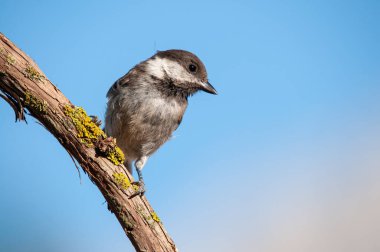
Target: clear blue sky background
<point x="285" y="158"/>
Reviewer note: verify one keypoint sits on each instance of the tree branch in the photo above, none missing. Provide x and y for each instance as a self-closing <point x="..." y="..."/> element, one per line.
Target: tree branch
<point x="24" y="86"/>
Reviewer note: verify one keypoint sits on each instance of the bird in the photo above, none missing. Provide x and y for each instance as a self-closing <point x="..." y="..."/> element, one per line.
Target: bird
<point x="147" y="104"/>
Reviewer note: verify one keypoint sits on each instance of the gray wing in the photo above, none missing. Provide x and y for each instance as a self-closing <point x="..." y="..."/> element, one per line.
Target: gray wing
<point x="114" y="89"/>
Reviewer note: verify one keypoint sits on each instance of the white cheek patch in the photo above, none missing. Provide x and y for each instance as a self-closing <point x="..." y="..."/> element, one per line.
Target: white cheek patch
<point x="154" y="67"/>
<point x="159" y="67"/>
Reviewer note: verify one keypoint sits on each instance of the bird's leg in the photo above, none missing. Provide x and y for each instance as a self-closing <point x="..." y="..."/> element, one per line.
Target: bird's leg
<point x="139" y="165"/>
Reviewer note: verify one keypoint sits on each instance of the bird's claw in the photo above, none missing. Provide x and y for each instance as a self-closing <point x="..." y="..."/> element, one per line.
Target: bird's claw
<point x="140" y="190"/>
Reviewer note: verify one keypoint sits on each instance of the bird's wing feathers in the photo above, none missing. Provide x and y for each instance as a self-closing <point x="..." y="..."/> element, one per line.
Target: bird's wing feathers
<point x="123" y="81"/>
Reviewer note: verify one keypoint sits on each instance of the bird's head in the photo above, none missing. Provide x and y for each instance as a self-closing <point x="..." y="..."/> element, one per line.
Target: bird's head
<point x="183" y="69"/>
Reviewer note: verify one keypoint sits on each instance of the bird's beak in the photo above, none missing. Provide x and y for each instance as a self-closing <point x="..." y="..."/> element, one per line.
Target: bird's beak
<point x="207" y="87"/>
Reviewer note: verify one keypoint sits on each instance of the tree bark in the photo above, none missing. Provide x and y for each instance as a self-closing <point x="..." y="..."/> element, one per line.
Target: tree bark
<point x="25" y="87"/>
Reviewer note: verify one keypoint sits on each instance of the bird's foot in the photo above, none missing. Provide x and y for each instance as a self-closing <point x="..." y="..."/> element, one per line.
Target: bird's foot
<point x="139" y="188"/>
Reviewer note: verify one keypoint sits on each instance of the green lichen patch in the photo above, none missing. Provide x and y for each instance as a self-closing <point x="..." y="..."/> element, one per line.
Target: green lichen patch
<point x="121" y="180"/>
<point x="32" y="74"/>
<point x="146" y="217"/>
<point x="155" y="217"/>
<point x="34" y="103"/>
<point x="129" y="225"/>
<point x="117" y="209"/>
<point x="10" y="60"/>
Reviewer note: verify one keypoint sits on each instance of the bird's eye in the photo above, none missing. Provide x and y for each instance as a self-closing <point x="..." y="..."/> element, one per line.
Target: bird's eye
<point x="192" y="68"/>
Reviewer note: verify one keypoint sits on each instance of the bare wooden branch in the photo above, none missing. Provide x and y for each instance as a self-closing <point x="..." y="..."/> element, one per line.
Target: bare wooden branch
<point x="24" y="86"/>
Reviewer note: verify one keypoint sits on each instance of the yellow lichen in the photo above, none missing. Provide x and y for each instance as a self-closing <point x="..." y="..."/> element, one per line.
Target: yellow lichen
<point x="87" y="130"/>
<point x="33" y="74"/>
<point x="155" y="217"/>
<point x="116" y="156"/>
<point x="90" y="134"/>
<point x="135" y="187"/>
<point x="121" y="180"/>
<point x="149" y="217"/>
<point x="35" y="103"/>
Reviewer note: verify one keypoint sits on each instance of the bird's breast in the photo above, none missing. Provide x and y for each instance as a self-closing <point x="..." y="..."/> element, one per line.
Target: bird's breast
<point x="161" y="111"/>
<point x="153" y="122"/>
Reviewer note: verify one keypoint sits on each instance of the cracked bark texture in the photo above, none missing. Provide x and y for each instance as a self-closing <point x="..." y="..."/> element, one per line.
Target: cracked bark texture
<point x="25" y="87"/>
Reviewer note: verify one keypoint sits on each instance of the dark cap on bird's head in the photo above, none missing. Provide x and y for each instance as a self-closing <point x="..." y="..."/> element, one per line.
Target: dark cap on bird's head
<point x="186" y="69"/>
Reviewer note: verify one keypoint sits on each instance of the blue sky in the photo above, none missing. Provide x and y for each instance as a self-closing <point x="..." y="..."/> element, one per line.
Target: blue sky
<point x="285" y="158"/>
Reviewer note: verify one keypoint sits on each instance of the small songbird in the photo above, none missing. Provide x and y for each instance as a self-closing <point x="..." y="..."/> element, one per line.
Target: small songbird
<point x="147" y="104"/>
